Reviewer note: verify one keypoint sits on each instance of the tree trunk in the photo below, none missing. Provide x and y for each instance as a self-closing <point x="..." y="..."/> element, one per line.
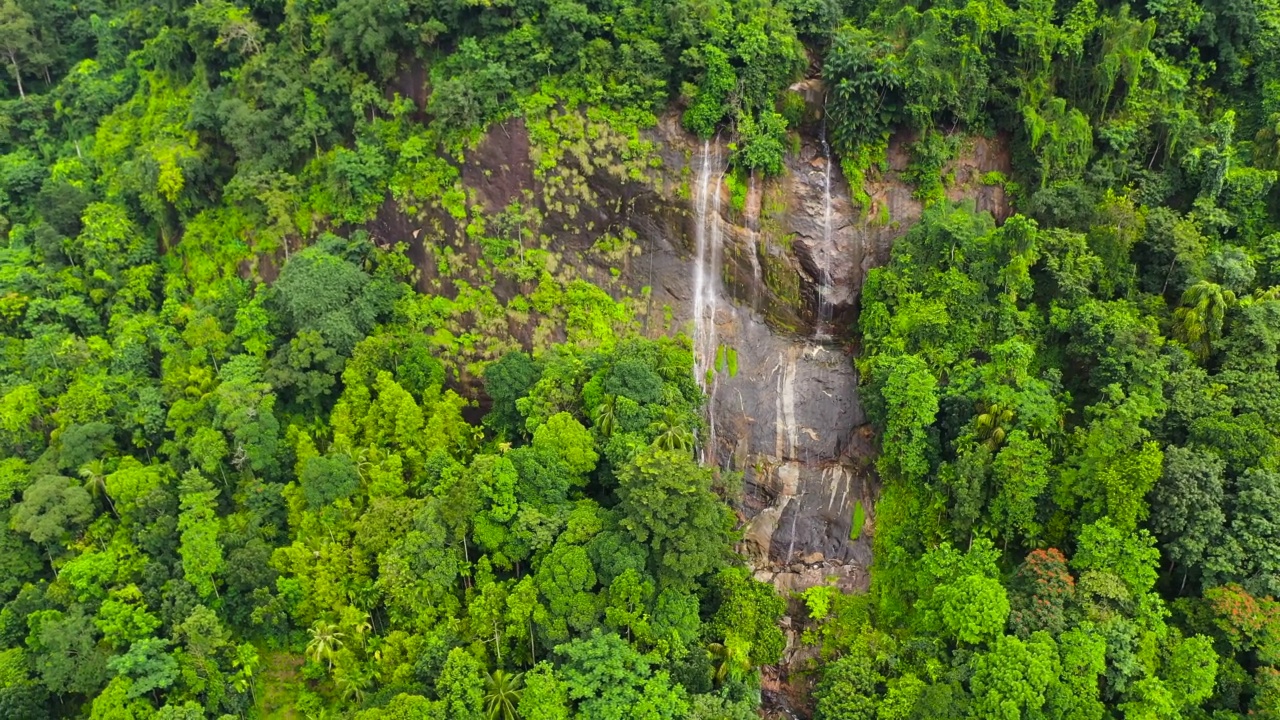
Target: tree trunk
<point x="17" y="74"/>
<point x="1169" y="274"/>
<point x="110" y="503"/>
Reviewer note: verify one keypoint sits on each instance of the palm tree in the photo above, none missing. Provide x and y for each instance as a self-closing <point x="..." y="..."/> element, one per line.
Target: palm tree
<point x="94" y="473"/>
<point x="672" y="365"/>
<point x="672" y="435"/>
<point x="1199" y="321"/>
<point x="362" y="629"/>
<point x="502" y="695"/>
<point x="733" y="660"/>
<point x="353" y="685"/>
<point x="326" y="639"/>
<point x="993" y="425"/>
<point x="246" y="663"/>
<point x="1262" y="295"/>
<point x="607" y="415"/>
<point x="360" y="459"/>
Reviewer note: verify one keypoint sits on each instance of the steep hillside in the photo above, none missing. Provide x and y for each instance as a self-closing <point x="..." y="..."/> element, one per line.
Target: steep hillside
<point x="654" y="359"/>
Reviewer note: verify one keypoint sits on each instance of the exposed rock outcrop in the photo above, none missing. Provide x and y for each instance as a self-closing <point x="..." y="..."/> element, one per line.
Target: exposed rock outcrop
<point x="795" y="251"/>
<point x="771" y="312"/>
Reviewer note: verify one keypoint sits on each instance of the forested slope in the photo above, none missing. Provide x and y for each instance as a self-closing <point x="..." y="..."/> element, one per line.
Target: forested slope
<point x="247" y="469"/>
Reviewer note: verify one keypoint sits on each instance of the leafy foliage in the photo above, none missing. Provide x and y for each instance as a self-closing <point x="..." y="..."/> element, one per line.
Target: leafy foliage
<point x="241" y="469"/>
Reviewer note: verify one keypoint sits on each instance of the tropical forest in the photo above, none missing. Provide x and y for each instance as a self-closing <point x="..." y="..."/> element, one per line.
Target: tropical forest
<point x="640" y="359"/>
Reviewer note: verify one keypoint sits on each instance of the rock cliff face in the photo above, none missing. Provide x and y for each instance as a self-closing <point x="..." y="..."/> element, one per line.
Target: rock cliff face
<point x="779" y="270"/>
<point x="767" y="283"/>
<point x="764" y="276"/>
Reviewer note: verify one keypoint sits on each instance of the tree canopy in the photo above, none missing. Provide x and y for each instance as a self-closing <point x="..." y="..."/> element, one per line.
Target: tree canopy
<point x="308" y="408"/>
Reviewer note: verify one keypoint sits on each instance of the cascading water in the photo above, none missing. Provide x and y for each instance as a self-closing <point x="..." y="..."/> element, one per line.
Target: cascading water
<point x="706" y="283"/>
<point x="822" y="319"/>
<point x="752" y="219"/>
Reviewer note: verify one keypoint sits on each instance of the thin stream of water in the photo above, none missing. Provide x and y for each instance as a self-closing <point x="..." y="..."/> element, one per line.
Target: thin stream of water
<point x="706" y="282"/>
<point x="753" y="227"/>
<point x="822" y="321"/>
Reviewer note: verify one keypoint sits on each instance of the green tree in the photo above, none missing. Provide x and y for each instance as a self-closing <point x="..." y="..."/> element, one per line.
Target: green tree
<point x="203" y="638"/>
<point x="1082" y="652"/>
<point x="131" y="482"/>
<point x="20" y="560"/>
<point x="610" y="680"/>
<point x="469" y="90"/>
<point x="961" y="596"/>
<point x="666" y="501"/>
<point x="461" y="686"/>
<point x="566" y="580"/>
<point x="565" y="438"/>
<point x="731" y="659"/>
<point x="505" y="381"/>
<point x="710" y="103"/>
<point x="1010" y="680"/>
<point x="198" y="524"/>
<point x="1247" y="555"/>
<point x="911" y="405"/>
<point x="95" y="481"/>
<point x="325" y="479"/>
<point x="65" y="653"/>
<point x="972" y="608"/>
<point x="52" y="509"/>
<point x="1021" y="474"/>
<point x="1149" y="699"/>
<point x="324" y="293"/>
<point x="123" y="617"/>
<point x="749" y="613"/>
<point x="1191" y="670"/>
<point x="116" y="703"/>
<point x="626" y="605"/>
<point x="671" y="434"/>
<point x="544" y="696"/>
<point x="1114" y="558"/>
<point x="148" y="665"/>
<point x="1187" y="506"/>
<point x="850" y="689"/>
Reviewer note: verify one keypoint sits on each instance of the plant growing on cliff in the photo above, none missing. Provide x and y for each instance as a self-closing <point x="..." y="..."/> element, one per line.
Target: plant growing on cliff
<point x="709" y="101"/>
<point x="762" y="142"/>
<point x="929" y="155"/>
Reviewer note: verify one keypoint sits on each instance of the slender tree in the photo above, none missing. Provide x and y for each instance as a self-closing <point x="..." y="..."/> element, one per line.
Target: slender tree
<point x="95" y="481"/>
<point x="17" y="38"/>
<point x="326" y="640"/>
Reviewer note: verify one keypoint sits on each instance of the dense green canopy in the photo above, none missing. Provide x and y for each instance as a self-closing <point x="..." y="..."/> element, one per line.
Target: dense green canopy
<point x="243" y="470"/>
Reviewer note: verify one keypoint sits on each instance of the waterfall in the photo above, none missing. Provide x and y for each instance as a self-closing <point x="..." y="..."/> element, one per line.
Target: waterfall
<point x="752" y="222"/>
<point x="822" y="319"/>
<point x="706" y="282"/>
